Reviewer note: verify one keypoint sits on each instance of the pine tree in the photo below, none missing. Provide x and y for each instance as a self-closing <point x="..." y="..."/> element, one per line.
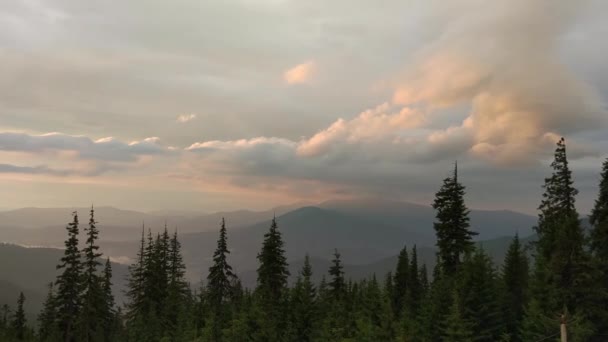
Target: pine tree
<point x="135" y="286"/>
<point x="92" y="300"/>
<point x="454" y="238"/>
<point x="599" y="249"/>
<point x="304" y="304"/>
<point x="272" y="286"/>
<point x="178" y="290"/>
<point x="108" y="314"/>
<point x="47" y="330"/>
<point x="273" y="271"/>
<point x="560" y="237"/>
<point x="480" y="297"/>
<point x="337" y="285"/>
<point x="219" y="284"/>
<point x="69" y="285"/>
<point x="599" y="219"/>
<point x="457" y="329"/>
<point x="19" y="322"/>
<point x="415" y="286"/>
<point x="515" y="283"/>
<point x="401" y="282"/>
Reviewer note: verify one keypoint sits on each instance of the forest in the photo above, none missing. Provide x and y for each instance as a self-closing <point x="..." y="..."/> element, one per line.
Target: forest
<point x="561" y="277"/>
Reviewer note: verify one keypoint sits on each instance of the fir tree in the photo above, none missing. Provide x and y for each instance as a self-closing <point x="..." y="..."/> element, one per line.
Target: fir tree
<point x="219" y="284"/>
<point x="515" y="283"/>
<point x="560" y="237"/>
<point x="93" y="300"/>
<point x="415" y="286"/>
<point x="273" y="271"/>
<point x="135" y="285"/>
<point x="599" y="220"/>
<point x="599" y="249"/>
<point x="272" y="285"/>
<point x="19" y="322"/>
<point x="454" y="238"/>
<point x="480" y="297"/>
<point x="457" y="329"/>
<point x="47" y="330"/>
<point x="401" y="281"/>
<point x="304" y="304"/>
<point x="337" y="285"/>
<point x="69" y="285"/>
<point x="178" y="290"/>
<point x="108" y="314"/>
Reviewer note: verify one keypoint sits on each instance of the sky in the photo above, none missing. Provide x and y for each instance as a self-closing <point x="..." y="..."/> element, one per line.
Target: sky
<point x="219" y="105"/>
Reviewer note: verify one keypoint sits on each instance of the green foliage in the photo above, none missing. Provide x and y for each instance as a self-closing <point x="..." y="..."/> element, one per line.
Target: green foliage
<point x="454" y="238"/>
<point x="68" y="299"/>
<point x="515" y="276"/>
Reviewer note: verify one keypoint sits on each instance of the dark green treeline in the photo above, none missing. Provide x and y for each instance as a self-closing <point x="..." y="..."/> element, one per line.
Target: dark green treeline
<point x="466" y="298"/>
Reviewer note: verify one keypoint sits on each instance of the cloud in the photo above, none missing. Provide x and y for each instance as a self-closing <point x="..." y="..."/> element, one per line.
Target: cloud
<point x="301" y="73"/>
<point x="33" y="170"/>
<point x="505" y="65"/>
<point x="186" y="117"/>
<point x="105" y="149"/>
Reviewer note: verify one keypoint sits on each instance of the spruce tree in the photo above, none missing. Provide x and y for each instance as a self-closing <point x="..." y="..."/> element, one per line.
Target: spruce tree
<point x="304" y="304"/>
<point x="480" y="297"/>
<point x="515" y="283"/>
<point x="401" y="281"/>
<point x="599" y="249"/>
<point x="337" y="285"/>
<point x="599" y="220"/>
<point x="178" y="291"/>
<point x="92" y="297"/>
<point x="273" y="271"/>
<point x="47" y="330"/>
<point x="272" y="286"/>
<point x="454" y="238"/>
<point x="560" y="238"/>
<point x="135" y="286"/>
<point x="457" y="328"/>
<point x="219" y="284"/>
<point x="415" y="286"/>
<point x="69" y="284"/>
<point x="108" y="314"/>
<point x="19" y="322"/>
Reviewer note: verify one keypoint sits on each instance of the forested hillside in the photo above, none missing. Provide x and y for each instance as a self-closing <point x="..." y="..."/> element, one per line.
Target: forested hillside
<point x="558" y="275"/>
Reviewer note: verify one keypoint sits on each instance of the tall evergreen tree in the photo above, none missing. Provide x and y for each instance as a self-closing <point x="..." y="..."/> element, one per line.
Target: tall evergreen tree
<point x="454" y="238"/>
<point x="47" y="330"/>
<point x="272" y="286"/>
<point x="560" y="237"/>
<point x="273" y="271"/>
<point x="304" y="304"/>
<point x="92" y="297"/>
<point x="457" y="328"/>
<point x="515" y="283"/>
<point x="178" y="291"/>
<point x="480" y="297"/>
<point x="337" y="285"/>
<point x="401" y="281"/>
<point x="69" y="285"/>
<point x="599" y="220"/>
<point x="219" y="283"/>
<point x="108" y="314"/>
<point x="135" y="285"/>
<point x="415" y="286"/>
<point x="599" y="249"/>
<point x="19" y="322"/>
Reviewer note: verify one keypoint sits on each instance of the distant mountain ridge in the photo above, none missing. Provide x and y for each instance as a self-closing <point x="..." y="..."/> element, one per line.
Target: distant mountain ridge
<point x="364" y="231"/>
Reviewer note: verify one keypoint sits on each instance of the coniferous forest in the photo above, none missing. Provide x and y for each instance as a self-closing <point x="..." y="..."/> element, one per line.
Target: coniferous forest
<point x="561" y="277"/>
